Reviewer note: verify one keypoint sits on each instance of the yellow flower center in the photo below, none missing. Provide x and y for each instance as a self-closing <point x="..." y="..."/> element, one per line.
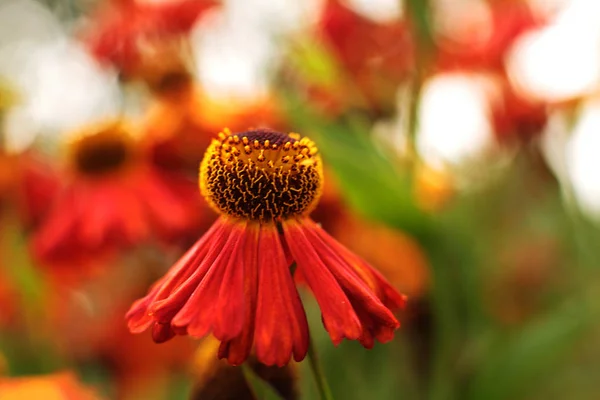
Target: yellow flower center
<point x="107" y="149"/>
<point x="261" y="175"/>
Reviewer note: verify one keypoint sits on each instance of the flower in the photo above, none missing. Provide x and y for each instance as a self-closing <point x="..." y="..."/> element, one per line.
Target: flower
<point x="181" y="127"/>
<point x="59" y="386"/>
<point x="112" y="197"/>
<point x="236" y="282"/>
<point x="144" y="39"/>
<point x="377" y="57"/>
<point x="483" y="46"/>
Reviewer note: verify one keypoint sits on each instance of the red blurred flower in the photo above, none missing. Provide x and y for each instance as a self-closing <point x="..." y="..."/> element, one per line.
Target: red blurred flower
<point x="112" y="197"/>
<point x="60" y="386"/>
<point x="26" y="183"/>
<point x="486" y="50"/>
<point x="376" y="56"/>
<point x="515" y="117"/>
<point x="235" y="281"/>
<point x="126" y="33"/>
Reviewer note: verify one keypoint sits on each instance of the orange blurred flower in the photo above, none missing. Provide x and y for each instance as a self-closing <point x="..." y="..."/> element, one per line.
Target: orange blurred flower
<point x="180" y="127"/>
<point x="138" y="37"/>
<point x="433" y="187"/>
<point x="235" y="281"/>
<point x="60" y="386"/>
<point x="113" y="197"/>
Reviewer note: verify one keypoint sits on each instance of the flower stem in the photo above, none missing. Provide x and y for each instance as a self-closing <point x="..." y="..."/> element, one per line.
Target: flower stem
<point x="317" y="370"/>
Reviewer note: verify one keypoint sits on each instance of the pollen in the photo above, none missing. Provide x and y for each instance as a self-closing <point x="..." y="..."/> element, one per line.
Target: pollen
<point x="261" y="175"/>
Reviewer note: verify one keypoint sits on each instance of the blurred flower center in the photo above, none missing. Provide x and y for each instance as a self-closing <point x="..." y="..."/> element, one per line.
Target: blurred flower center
<point x="262" y="175"/>
<point x="106" y="151"/>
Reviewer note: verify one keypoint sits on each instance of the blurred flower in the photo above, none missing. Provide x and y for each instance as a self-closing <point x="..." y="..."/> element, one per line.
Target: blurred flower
<point x="433" y="187"/>
<point x="376" y="56"/>
<point x="264" y="184"/>
<point x="112" y="197"/>
<point x="478" y="35"/>
<point x="59" y="386"/>
<point x="27" y="181"/>
<point x="515" y="117"/>
<point x="142" y="39"/>
<point x="180" y="127"/>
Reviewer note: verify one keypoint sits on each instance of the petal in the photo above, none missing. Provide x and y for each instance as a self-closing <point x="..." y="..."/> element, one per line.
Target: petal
<point x="281" y="326"/>
<point x="237" y="350"/>
<point x="339" y="317"/>
<point x="384" y="290"/>
<point x="367" y="292"/>
<point x="165" y="209"/>
<point x="359" y="293"/>
<point x="202" y="311"/>
<point x="141" y="314"/>
<point x="58" y="226"/>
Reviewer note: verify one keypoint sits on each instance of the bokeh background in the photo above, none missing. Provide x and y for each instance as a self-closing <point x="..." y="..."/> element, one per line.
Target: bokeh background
<point x="462" y="149"/>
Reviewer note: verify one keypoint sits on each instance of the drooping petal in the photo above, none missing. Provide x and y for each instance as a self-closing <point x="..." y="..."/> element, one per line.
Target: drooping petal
<point x="367" y="293"/>
<point x="339" y="317"/>
<point x="221" y="284"/>
<point x="281" y="326"/>
<point x="154" y="307"/>
<point x="237" y="350"/>
<point x="388" y="295"/>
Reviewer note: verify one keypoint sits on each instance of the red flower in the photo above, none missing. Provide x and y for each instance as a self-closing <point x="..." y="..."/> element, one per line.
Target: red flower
<point x="126" y="29"/>
<point x="236" y="282"/>
<point x="376" y="56"/>
<point x="509" y="20"/>
<point x="113" y="197"/>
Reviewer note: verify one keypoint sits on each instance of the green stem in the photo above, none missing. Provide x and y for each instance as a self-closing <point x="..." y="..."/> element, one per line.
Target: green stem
<point x="317" y="370"/>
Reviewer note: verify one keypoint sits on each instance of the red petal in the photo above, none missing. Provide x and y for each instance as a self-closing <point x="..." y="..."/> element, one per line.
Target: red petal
<point x="237" y="350"/>
<point x="204" y="309"/>
<point x="281" y="326"/>
<point x="339" y="318"/>
<point x="56" y="229"/>
<point x="368" y="293"/>
<point x="141" y="314"/>
<point x="383" y="289"/>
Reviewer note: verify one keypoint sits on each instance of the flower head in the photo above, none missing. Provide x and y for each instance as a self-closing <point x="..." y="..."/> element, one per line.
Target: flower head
<point x="112" y="197"/>
<point x="236" y="282"/>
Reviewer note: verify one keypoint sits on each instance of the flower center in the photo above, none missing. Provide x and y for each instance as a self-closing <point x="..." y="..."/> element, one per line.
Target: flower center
<point x="103" y="152"/>
<point x="261" y="175"/>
